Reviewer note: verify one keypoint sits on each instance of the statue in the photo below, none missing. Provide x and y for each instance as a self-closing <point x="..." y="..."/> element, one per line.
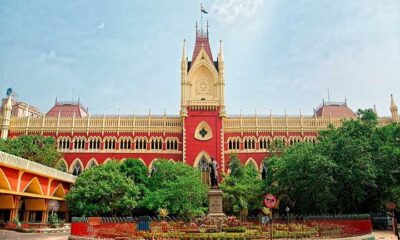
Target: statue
<point x="214" y="173"/>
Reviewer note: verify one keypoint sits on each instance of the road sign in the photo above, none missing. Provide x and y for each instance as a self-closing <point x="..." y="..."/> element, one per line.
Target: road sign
<point x="265" y="219"/>
<point x="270" y="201"/>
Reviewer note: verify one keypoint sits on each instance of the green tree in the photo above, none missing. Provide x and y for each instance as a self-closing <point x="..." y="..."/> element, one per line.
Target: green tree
<point x="176" y="187"/>
<point x="137" y="171"/>
<point x="243" y="188"/>
<point x="36" y="148"/>
<point x="103" y="191"/>
<point x="351" y="168"/>
<point x="303" y="179"/>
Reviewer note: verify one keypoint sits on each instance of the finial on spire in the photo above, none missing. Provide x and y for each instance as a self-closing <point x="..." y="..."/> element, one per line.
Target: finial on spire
<point x="221" y="54"/>
<point x="207" y="28"/>
<point x="184" y="50"/>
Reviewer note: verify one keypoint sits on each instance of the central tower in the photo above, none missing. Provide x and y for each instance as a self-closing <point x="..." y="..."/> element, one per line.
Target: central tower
<point x="202" y="102"/>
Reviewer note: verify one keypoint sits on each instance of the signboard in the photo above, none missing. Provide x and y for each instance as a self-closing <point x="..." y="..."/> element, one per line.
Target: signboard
<point x="265" y="219"/>
<point x="270" y="201"/>
<point x="391" y="206"/>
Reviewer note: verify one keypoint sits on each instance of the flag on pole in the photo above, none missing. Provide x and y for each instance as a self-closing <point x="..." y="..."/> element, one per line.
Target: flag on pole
<point x="203" y="10"/>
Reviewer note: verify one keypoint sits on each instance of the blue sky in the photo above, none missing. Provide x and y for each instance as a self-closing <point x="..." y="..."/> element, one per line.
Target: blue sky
<point x="124" y="56"/>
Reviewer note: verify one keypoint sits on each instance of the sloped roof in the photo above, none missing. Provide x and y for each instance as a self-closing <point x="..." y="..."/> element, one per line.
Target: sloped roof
<point x="334" y="110"/>
<point x="68" y="109"/>
<point x="201" y="41"/>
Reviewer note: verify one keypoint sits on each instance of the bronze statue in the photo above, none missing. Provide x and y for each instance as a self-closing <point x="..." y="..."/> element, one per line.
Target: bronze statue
<point x="214" y="173"/>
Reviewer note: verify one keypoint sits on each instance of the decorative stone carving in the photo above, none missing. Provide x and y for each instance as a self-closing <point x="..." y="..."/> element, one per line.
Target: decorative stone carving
<point x="203" y="131"/>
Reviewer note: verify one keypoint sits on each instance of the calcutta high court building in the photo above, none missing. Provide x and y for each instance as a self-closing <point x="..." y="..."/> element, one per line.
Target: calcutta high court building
<point x="202" y="130"/>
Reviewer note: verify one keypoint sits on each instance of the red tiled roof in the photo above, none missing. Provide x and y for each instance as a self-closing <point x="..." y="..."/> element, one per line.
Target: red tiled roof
<point x="67" y="109"/>
<point x="201" y="41"/>
<point x="335" y="110"/>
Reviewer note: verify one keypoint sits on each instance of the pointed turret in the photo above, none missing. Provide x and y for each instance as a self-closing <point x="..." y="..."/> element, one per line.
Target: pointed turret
<point x="184" y="70"/>
<point x="393" y="109"/>
<point x="7" y="108"/>
<point x="184" y="58"/>
<point x="202" y="41"/>
<point x="221" y="78"/>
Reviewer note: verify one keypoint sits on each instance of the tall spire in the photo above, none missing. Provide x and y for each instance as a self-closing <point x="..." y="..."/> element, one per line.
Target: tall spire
<point x="7" y="108"/>
<point x="184" y="50"/>
<point x="221" y="54"/>
<point x="393" y="109"/>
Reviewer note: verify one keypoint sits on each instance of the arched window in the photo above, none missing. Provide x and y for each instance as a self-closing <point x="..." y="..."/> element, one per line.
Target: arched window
<point x="156" y="143"/>
<point x="265" y="143"/>
<point x="125" y="143"/>
<point x="63" y="143"/>
<point x="92" y="163"/>
<point x="172" y="144"/>
<point x="79" y="143"/>
<point x="77" y="169"/>
<point x="109" y="143"/>
<point x="234" y="143"/>
<point x="249" y="143"/>
<point x="141" y="143"/>
<point x="204" y="168"/>
<point x="61" y="166"/>
<point x="94" y="143"/>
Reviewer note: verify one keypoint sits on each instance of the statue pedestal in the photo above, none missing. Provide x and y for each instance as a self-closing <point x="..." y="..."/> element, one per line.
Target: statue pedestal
<point x="215" y="203"/>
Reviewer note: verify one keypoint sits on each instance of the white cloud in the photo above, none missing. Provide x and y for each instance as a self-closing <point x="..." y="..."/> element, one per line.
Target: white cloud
<point x="230" y="10"/>
<point x="101" y="26"/>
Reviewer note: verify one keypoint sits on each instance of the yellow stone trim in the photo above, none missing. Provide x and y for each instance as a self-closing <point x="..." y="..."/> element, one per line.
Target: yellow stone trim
<point x="30" y="195"/>
<point x="25" y="165"/>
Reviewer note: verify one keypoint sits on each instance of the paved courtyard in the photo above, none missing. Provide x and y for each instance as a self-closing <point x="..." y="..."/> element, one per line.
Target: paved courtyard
<point x="384" y="235"/>
<point x="7" y="234"/>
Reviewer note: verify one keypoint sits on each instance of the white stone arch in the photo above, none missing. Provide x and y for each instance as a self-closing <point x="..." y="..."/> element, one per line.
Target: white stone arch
<point x="76" y="161"/>
<point x="140" y="138"/>
<point x="90" y="162"/>
<point x="152" y="163"/>
<point x="252" y="161"/>
<point x="58" y="163"/>
<point x="107" y="160"/>
<point x="140" y="159"/>
<point x="198" y="65"/>
<point x="281" y="138"/>
<point x="171" y="160"/>
<point x="197" y="159"/>
<point x="64" y="138"/>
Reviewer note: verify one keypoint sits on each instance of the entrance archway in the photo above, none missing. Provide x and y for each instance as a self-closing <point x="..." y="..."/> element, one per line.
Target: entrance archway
<point x="202" y="162"/>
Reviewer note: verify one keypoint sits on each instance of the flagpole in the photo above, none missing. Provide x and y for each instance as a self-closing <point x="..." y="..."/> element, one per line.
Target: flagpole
<point x="201" y="18"/>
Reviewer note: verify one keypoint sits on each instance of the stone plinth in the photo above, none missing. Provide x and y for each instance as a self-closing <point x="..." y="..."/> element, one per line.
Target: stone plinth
<point x="215" y="203"/>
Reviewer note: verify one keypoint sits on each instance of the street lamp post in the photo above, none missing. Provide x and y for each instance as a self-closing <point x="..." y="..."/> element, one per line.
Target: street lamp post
<point x="287" y="209"/>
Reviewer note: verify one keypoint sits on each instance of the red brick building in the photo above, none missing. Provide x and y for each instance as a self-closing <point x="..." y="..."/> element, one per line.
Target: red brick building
<point x="202" y="129"/>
